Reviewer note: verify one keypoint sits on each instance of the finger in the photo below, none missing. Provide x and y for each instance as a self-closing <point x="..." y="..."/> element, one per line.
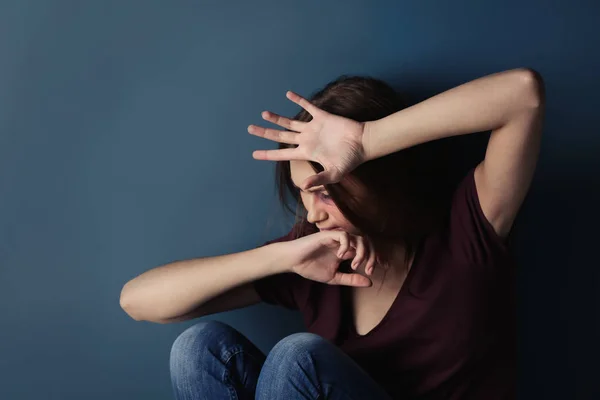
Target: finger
<point x="278" y="155"/>
<point x="349" y="254"/>
<point x="322" y="178"/>
<point x="357" y="280"/>
<point x="344" y="244"/>
<point x="302" y="102"/>
<point x="285" y="122"/>
<point x="371" y="261"/>
<point x="274" y="134"/>
<point x="360" y="254"/>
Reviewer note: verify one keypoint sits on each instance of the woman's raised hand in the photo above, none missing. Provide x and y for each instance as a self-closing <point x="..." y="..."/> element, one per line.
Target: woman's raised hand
<point x="333" y="141"/>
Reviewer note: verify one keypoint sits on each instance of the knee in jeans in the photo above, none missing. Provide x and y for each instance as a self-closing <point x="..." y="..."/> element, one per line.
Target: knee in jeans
<point x="288" y="360"/>
<point x="196" y="338"/>
<point x="291" y="348"/>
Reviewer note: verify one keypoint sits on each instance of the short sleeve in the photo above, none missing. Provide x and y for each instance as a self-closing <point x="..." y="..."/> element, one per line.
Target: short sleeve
<point x="472" y="236"/>
<point x="288" y="290"/>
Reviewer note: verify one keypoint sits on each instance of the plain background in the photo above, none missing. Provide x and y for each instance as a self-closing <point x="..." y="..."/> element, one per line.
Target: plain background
<point x="123" y="146"/>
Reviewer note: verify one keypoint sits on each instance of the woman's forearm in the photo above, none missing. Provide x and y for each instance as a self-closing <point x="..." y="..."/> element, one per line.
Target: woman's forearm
<point x="480" y="105"/>
<point x="177" y="288"/>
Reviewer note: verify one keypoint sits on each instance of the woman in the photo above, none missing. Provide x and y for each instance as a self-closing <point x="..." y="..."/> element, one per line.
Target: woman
<point x="426" y="307"/>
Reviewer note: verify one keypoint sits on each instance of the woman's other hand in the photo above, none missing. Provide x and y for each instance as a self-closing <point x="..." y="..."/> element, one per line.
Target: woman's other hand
<point x="317" y="257"/>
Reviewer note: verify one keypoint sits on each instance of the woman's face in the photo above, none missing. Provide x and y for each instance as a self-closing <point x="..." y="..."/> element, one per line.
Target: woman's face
<point x="321" y="209"/>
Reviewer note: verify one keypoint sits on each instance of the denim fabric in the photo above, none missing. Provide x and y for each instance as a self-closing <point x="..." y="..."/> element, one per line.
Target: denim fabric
<point x="212" y="360"/>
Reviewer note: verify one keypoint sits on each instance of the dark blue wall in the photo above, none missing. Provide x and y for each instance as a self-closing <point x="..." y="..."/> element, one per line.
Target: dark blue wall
<point x="123" y="146"/>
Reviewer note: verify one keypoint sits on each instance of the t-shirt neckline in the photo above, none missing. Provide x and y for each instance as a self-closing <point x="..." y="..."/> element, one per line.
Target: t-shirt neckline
<point x="404" y="291"/>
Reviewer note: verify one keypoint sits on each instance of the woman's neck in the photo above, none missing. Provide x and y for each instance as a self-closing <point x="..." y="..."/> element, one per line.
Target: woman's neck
<point x="391" y="272"/>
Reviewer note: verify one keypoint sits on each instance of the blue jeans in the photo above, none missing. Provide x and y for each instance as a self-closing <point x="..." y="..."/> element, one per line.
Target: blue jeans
<point x="211" y="360"/>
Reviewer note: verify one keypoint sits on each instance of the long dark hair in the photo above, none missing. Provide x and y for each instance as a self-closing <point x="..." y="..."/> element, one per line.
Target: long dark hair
<point x="407" y="192"/>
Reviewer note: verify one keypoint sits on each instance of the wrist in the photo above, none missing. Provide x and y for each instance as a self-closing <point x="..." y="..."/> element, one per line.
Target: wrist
<point x="279" y="256"/>
<point x="367" y="140"/>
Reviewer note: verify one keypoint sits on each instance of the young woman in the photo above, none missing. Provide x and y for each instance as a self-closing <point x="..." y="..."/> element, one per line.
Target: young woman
<point x="403" y="276"/>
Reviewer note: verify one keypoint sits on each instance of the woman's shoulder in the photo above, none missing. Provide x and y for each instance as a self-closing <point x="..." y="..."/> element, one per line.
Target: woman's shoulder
<point x="466" y="232"/>
<point x="463" y="251"/>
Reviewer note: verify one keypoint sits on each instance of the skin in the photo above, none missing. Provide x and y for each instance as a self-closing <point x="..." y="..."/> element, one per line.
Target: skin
<point x="322" y="211"/>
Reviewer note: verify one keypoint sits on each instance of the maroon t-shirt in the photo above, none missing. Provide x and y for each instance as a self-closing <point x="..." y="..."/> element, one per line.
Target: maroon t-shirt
<point x="450" y="332"/>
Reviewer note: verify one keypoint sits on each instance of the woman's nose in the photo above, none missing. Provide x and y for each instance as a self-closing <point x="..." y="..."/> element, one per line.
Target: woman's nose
<point x="314" y="211"/>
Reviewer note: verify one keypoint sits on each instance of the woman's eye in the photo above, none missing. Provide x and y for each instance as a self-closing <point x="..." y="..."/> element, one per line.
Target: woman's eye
<point x="325" y="196"/>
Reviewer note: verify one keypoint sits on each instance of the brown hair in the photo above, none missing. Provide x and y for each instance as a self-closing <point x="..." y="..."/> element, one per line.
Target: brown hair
<point x="407" y="192"/>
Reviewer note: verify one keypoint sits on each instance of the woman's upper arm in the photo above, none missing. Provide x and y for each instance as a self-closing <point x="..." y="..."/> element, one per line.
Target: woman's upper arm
<point x="504" y="177"/>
